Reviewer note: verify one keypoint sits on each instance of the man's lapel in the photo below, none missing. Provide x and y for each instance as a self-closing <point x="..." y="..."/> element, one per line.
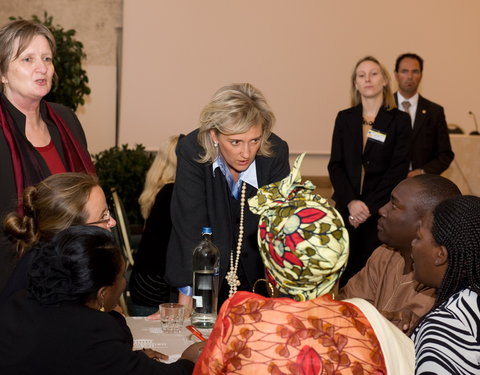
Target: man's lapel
<point x="420" y="115"/>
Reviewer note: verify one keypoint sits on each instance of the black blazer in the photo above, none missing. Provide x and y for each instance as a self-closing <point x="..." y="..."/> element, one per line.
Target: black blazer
<point x="201" y="198"/>
<point x="8" y="198"/>
<point x="152" y="252"/>
<point x="386" y="164"/>
<point x="71" y="339"/>
<point x="430" y="149"/>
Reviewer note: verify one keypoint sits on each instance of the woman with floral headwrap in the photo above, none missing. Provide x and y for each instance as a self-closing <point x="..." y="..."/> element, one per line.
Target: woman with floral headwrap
<point x="304" y="246"/>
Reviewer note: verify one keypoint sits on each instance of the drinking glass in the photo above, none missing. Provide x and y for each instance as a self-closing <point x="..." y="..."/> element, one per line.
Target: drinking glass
<point x="171" y="316"/>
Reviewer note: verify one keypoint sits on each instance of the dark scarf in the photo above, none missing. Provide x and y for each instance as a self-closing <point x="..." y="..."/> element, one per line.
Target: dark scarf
<point x="28" y="164"/>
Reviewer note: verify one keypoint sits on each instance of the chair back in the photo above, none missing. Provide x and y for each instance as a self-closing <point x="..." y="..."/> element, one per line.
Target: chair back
<point x="122" y="232"/>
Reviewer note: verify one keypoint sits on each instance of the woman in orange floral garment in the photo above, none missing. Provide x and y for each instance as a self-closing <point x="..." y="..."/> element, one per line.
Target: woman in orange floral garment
<point x="304" y="246"/>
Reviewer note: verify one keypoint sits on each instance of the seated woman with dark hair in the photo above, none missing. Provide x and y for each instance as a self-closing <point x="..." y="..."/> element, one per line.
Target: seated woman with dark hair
<point x="304" y="247"/>
<point x="446" y="256"/>
<point x="62" y="327"/>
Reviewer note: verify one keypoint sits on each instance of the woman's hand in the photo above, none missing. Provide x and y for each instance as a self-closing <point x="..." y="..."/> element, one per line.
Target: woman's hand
<point x="359" y="213"/>
<point x="193" y="351"/>
<point x="153" y="354"/>
<point x="154" y="316"/>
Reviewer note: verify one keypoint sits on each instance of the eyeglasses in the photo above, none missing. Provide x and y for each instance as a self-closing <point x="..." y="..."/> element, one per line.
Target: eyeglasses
<point x="105" y="219"/>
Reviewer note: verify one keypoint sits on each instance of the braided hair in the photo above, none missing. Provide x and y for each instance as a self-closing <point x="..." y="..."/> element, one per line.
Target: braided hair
<point x="456" y="225"/>
<point x="73" y="266"/>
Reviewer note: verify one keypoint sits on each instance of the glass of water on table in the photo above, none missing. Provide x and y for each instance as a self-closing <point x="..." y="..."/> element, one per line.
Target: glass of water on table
<point x="171" y="317"/>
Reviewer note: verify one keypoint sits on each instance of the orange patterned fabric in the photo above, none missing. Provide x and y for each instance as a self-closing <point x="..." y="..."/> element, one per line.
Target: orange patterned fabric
<point x="258" y="335"/>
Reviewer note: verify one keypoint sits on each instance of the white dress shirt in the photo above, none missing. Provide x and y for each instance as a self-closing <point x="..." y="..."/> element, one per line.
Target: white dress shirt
<point x="413" y="105"/>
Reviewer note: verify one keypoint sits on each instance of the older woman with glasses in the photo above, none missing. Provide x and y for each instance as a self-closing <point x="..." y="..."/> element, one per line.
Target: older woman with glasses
<point x="58" y="202"/>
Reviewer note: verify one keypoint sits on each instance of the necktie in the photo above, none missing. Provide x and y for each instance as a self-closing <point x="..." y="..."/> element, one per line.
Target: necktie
<point x="406" y="106"/>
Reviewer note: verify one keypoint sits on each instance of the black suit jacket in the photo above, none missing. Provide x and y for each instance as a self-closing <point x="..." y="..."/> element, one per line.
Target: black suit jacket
<point x="8" y="198"/>
<point x="430" y="149"/>
<point x="71" y="339"/>
<point x="386" y="164"/>
<point x="202" y="198"/>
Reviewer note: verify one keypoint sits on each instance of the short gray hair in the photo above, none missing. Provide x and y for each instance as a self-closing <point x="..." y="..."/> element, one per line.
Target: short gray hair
<point x="24" y="31"/>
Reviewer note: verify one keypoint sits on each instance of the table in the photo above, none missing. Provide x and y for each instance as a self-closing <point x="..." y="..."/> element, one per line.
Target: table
<point x="148" y="334"/>
<point x="465" y="168"/>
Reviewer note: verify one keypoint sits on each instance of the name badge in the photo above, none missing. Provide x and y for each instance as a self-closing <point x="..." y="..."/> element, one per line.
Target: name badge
<point x="376" y="135"/>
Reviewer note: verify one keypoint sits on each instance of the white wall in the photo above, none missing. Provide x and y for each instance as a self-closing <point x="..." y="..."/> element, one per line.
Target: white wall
<point x="299" y="53"/>
<point x="98" y="114"/>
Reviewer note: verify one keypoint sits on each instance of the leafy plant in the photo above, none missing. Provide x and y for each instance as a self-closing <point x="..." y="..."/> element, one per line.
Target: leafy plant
<point x="124" y="169"/>
<point x="70" y="86"/>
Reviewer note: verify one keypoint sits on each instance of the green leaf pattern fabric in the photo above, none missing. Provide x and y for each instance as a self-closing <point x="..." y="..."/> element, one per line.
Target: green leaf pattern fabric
<point x="302" y="238"/>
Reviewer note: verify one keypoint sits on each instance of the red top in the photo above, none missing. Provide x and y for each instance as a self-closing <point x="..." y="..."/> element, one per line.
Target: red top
<point x="52" y="158"/>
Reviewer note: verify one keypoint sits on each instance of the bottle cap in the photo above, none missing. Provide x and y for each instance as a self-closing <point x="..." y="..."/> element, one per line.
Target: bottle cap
<point x="206" y="230"/>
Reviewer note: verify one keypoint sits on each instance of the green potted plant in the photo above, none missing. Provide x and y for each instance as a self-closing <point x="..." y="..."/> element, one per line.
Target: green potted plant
<point x="70" y="86"/>
<point x="124" y="169"/>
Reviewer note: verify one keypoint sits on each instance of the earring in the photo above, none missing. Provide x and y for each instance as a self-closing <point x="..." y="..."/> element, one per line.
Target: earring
<point x="268" y="284"/>
<point x="101" y="303"/>
<point x="215" y="144"/>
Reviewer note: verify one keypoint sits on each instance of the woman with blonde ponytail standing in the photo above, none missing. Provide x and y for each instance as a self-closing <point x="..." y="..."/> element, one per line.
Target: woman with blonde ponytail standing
<point x="370" y="150"/>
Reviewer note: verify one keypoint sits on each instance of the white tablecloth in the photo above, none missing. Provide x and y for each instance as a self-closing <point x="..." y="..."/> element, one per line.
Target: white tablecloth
<point x="465" y="168"/>
<point x="148" y="334"/>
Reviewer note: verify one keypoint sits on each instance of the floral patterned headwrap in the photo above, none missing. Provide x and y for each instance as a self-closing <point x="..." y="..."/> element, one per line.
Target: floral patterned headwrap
<point x="302" y="239"/>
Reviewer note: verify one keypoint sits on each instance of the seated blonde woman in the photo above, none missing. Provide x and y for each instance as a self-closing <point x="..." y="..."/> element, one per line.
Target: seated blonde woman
<point x="148" y="287"/>
<point x="304" y="247"/>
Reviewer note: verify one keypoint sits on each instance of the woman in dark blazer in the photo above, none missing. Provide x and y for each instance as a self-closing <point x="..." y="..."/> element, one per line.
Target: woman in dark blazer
<point x="65" y="323"/>
<point x="37" y="138"/>
<point x="370" y="148"/>
<point x="219" y="166"/>
<point x="147" y="285"/>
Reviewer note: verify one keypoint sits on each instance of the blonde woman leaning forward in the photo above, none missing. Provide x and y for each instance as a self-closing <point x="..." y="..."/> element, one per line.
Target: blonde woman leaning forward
<point x="221" y="165"/>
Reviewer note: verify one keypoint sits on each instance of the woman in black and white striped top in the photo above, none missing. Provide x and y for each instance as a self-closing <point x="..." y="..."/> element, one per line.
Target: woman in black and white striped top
<point x="446" y="254"/>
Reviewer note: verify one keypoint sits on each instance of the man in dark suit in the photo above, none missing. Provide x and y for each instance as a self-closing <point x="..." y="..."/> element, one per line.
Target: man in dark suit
<point x="431" y="151"/>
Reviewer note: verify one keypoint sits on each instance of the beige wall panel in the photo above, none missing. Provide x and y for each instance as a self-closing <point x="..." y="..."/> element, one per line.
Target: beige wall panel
<point x="299" y="53"/>
<point x="96" y="23"/>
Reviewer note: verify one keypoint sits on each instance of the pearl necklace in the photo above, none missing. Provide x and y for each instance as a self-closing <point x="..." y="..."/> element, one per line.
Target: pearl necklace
<point x="232" y="277"/>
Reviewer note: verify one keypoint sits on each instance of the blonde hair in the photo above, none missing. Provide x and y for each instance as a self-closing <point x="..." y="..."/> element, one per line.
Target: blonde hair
<point x="234" y="109"/>
<point x="388" y="99"/>
<point x="24" y="31"/>
<point x="56" y="203"/>
<point x="161" y="172"/>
